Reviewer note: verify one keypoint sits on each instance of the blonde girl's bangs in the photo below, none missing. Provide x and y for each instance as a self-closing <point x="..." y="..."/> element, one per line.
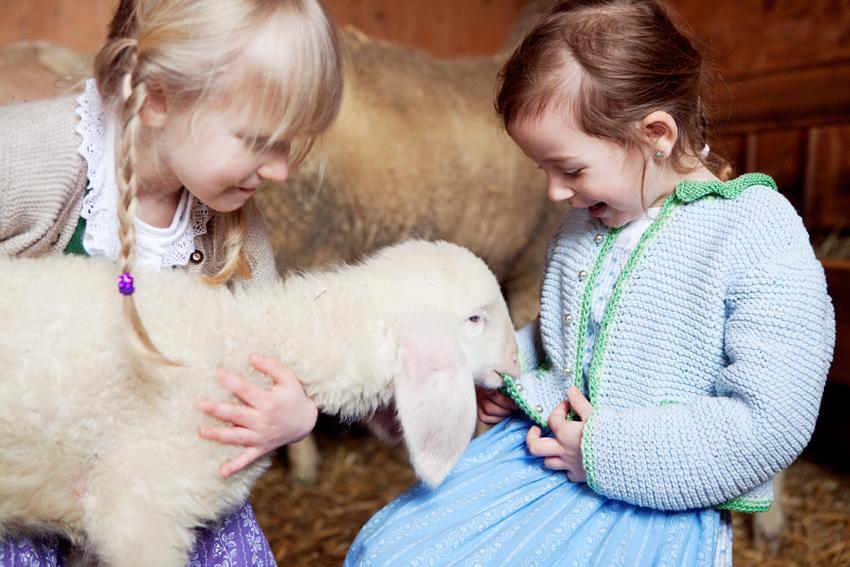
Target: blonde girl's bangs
<point x="288" y="79"/>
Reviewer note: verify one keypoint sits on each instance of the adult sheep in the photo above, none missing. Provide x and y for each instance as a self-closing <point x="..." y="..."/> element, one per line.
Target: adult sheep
<point x="417" y="150"/>
<point x="99" y="444"/>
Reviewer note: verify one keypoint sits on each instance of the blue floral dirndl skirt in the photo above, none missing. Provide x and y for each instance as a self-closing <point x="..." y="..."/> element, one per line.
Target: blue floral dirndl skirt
<point x="235" y="541"/>
<point x="501" y="506"/>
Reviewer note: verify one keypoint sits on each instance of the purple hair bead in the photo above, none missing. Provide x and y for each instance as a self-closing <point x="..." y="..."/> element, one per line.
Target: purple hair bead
<point x="125" y="284"/>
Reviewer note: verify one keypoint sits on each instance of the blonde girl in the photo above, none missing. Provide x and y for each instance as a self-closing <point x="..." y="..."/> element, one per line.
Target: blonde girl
<point x="683" y="314"/>
<point x="194" y="104"/>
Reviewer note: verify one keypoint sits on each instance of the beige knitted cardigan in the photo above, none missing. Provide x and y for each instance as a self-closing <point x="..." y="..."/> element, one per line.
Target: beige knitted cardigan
<point x="42" y="182"/>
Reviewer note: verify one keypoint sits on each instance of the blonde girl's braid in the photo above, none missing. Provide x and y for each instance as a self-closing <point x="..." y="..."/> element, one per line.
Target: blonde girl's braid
<point x="133" y="93"/>
<point x="277" y="61"/>
<point x="228" y="243"/>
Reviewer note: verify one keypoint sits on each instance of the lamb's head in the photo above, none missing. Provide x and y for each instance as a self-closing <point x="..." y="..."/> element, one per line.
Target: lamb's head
<point x="453" y="333"/>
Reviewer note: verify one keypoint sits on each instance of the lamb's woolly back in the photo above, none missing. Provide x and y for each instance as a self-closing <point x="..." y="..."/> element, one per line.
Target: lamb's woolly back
<point x="81" y="418"/>
<point x="361" y="304"/>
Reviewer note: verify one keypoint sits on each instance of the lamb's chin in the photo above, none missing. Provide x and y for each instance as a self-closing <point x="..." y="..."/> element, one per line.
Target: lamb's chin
<point x="490" y="380"/>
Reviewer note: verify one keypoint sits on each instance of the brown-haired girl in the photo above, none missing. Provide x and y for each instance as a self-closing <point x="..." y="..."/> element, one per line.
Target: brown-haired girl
<point x="194" y="104"/>
<point x="683" y="314"/>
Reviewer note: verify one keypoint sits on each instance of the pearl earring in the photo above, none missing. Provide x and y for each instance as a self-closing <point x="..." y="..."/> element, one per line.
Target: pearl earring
<point x="659" y="154"/>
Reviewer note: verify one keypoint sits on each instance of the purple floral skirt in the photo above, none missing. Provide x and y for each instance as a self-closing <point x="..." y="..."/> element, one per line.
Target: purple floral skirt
<point x="236" y="541"/>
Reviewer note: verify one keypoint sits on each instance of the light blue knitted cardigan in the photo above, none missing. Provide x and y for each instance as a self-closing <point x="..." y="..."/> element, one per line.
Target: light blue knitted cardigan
<point x="712" y="354"/>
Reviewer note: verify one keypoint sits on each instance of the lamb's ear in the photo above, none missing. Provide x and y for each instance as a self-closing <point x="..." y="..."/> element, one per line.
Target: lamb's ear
<point x="435" y="397"/>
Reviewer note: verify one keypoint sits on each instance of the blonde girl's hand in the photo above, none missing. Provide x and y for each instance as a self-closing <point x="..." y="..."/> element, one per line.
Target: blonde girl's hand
<point x="563" y="451"/>
<point x="493" y="406"/>
<point x="266" y="420"/>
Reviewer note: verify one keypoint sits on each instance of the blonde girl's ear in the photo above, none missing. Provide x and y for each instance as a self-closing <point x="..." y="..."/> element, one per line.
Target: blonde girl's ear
<point x="660" y="130"/>
<point x="154" y="111"/>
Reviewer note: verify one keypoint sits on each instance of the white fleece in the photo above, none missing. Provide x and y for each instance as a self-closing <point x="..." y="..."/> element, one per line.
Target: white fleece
<point x="101" y="446"/>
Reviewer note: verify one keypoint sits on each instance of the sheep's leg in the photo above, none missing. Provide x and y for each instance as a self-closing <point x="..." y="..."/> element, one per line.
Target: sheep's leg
<point x="127" y="531"/>
<point x="135" y="511"/>
<point x="768" y="526"/>
<point x="304" y="458"/>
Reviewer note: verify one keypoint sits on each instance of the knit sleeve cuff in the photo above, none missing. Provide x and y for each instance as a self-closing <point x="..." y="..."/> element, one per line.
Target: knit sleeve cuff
<point x="587" y="451"/>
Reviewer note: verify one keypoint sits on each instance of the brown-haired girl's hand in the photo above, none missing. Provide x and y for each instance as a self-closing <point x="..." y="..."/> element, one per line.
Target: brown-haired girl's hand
<point x="493" y="406"/>
<point x="563" y="451"/>
<point x="268" y="419"/>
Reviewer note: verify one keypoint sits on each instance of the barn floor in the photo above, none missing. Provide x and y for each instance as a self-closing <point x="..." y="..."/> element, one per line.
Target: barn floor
<point x="313" y="525"/>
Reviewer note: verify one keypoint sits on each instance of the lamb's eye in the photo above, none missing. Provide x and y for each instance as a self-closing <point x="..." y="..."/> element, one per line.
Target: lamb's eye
<point x="475" y="318"/>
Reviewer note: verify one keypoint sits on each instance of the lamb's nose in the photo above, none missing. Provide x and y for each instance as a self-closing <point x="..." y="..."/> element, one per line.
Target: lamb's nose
<point x="512" y="369"/>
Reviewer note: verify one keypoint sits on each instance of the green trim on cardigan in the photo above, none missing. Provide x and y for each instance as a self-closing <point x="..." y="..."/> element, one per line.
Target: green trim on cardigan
<point x="586" y="446"/>
<point x="688" y="191"/>
<point x="602" y="339"/>
<point x="584" y="313"/>
<point x="746" y="505"/>
<point x="685" y="192"/>
<point x="510" y="389"/>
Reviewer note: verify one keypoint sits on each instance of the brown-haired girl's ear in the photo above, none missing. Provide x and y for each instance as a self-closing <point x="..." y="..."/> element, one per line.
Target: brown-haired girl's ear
<point x="660" y="131"/>
<point x="154" y="111"/>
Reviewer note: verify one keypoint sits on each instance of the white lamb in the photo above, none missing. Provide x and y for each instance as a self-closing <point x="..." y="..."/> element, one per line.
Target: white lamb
<point x="102" y="447"/>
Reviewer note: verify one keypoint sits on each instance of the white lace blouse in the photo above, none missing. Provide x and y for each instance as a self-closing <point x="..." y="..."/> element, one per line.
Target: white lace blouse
<point x="156" y="247"/>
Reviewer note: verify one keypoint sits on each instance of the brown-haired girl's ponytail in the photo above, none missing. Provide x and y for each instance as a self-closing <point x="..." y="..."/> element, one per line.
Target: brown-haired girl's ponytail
<point x="715" y="163"/>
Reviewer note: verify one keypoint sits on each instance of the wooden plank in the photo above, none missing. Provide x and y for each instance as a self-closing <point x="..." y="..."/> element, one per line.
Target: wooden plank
<point x="445" y="28"/>
<point x="828" y="186"/>
<point x="811" y="202"/>
<point x="81" y="24"/>
<point x="768" y="36"/>
<point x="781" y="154"/>
<point x="799" y="98"/>
<point x="442" y="27"/>
<point x="838" y="284"/>
<point x="732" y="147"/>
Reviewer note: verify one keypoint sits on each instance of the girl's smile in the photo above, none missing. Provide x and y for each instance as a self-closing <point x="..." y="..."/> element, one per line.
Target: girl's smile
<point x="598" y="210"/>
<point x="599" y="175"/>
<point x="206" y="151"/>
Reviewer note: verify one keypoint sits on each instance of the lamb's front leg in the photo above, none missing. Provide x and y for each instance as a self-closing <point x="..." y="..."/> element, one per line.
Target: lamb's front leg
<point x="767" y="527"/>
<point x="150" y="538"/>
<point x="304" y="458"/>
<point x="143" y="501"/>
<point x="128" y="524"/>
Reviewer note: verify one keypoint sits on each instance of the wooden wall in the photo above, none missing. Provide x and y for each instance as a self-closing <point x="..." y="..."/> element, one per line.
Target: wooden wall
<point x="442" y="27"/>
<point x="783" y="108"/>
